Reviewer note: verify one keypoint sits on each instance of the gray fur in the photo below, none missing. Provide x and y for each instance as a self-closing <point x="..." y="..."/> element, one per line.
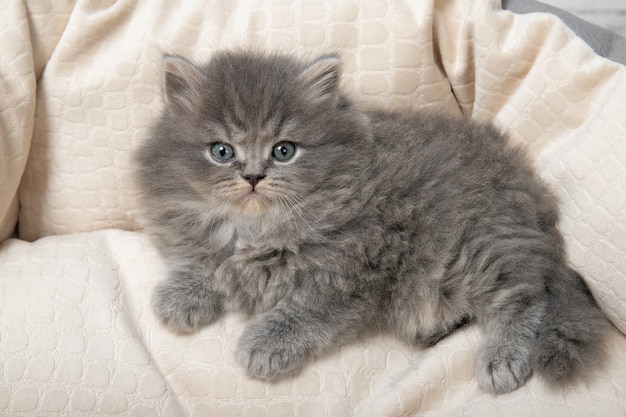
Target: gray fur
<point x="408" y="222"/>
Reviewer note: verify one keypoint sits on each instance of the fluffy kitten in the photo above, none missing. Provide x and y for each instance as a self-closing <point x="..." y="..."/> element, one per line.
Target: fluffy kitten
<point x="269" y="192"/>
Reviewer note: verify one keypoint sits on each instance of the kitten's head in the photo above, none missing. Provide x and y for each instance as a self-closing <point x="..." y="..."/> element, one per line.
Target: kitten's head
<point x="256" y="136"/>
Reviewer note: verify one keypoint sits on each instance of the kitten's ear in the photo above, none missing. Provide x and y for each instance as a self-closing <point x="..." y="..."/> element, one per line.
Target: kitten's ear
<point x="321" y="78"/>
<point x="181" y="82"/>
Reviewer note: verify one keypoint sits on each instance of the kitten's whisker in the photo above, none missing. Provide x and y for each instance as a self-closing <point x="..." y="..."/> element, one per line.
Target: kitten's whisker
<point x="287" y="209"/>
<point x="296" y="206"/>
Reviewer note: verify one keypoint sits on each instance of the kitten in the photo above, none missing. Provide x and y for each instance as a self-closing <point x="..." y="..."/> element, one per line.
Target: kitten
<point x="269" y="192"/>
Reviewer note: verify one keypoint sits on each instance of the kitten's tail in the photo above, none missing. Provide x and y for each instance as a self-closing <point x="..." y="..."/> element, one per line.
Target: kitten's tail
<point x="571" y="342"/>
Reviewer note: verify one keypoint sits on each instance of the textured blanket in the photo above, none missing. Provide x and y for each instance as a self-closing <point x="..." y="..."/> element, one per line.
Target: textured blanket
<point x="79" y="85"/>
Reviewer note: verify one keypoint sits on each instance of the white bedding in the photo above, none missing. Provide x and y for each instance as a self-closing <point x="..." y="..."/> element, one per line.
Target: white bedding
<point x="79" y="84"/>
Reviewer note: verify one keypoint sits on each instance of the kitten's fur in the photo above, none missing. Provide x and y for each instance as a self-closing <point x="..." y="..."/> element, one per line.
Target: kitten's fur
<point x="410" y="222"/>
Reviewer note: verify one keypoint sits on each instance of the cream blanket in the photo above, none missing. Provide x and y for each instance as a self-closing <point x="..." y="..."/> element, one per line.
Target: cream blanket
<point x="79" y="84"/>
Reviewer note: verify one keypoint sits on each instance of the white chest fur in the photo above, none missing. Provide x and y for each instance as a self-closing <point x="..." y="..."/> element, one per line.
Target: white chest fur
<point x="244" y="233"/>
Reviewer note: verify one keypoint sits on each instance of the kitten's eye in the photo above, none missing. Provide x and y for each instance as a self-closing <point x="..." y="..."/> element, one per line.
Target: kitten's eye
<point x="283" y="151"/>
<point x="222" y="152"/>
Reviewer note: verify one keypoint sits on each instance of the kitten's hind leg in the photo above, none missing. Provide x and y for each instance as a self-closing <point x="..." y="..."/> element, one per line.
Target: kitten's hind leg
<point x="511" y="324"/>
<point x="184" y="301"/>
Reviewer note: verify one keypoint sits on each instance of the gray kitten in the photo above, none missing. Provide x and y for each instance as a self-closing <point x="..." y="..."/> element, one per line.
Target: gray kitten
<point x="269" y="192"/>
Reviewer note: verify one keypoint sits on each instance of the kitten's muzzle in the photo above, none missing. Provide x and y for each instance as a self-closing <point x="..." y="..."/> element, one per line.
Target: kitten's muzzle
<point x="253" y="180"/>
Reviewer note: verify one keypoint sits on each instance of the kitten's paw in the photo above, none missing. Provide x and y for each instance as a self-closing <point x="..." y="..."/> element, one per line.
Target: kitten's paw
<point x="185" y="307"/>
<point x="267" y="355"/>
<point x="503" y="368"/>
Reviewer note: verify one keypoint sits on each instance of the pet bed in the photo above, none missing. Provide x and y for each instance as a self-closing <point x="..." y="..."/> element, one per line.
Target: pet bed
<point x="79" y="84"/>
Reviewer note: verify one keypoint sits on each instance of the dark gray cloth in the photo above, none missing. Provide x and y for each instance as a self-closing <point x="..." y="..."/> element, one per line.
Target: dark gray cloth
<point x="604" y="42"/>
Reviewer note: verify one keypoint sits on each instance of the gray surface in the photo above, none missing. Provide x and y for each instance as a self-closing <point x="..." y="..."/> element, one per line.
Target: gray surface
<point x="609" y="14"/>
<point x="604" y="42"/>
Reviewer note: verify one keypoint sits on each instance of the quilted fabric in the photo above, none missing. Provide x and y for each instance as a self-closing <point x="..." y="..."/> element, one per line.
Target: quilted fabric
<point x="17" y="105"/>
<point x="79" y="84"/>
<point x="79" y="339"/>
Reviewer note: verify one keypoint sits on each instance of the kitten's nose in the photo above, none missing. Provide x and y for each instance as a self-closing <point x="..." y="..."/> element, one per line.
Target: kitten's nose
<point x="253" y="179"/>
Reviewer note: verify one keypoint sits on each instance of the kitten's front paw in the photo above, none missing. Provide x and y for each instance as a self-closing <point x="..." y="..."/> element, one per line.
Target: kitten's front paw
<point x="185" y="307"/>
<point x="502" y="368"/>
<point x="266" y="354"/>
